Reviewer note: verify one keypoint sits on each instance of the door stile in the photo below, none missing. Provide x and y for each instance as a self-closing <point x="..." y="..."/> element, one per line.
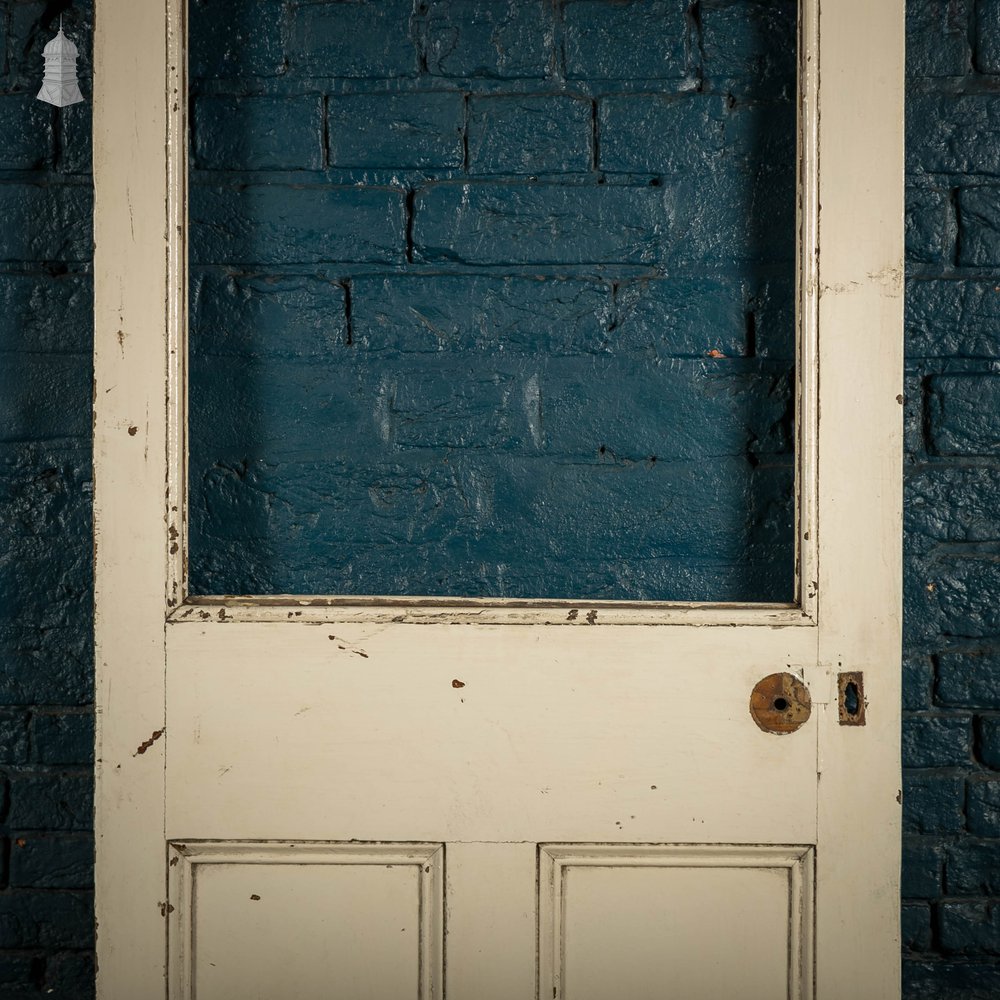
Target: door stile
<point x="860" y="509"/>
<point x="130" y="428"/>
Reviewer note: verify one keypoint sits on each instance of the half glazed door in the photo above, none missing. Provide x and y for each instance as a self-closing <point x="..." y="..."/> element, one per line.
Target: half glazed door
<point x="485" y="799"/>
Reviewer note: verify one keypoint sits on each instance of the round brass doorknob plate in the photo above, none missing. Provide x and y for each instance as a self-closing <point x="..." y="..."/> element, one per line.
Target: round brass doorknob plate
<point x="780" y="704"/>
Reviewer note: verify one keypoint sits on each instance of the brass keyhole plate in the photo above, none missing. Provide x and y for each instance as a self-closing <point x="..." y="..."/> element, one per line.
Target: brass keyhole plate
<point x="780" y="704"/>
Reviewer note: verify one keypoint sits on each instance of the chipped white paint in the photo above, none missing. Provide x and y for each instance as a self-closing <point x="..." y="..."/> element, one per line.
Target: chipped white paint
<point x="270" y="735"/>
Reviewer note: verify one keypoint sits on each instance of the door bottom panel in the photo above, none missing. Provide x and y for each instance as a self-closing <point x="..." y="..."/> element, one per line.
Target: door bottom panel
<point x="518" y="921"/>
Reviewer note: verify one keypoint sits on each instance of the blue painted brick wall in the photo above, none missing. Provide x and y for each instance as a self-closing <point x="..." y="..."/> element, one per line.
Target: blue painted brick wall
<point x="46" y="661"/>
<point x="951" y="885"/>
<point x="553" y="249"/>
<point x="952" y="675"/>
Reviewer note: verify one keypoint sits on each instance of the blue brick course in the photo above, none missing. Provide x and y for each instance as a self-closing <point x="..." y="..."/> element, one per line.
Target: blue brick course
<point x="937" y="741"/>
<point x="261" y="224"/>
<point x="632" y="40"/>
<point x="51" y="861"/>
<point x="258" y="133"/>
<point x="397" y="130"/>
<point x="965" y="415"/>
<point x="530" y="134"/>
<point x="969" y="679"/>
<point x="467" y="38"/>
<point x="933" y="802"/>
<point x="937" y="38"/>
<point x="952" y="318"/>
<point x="263" y="314"/>
<point x="366" y="39"/>
<point x="983" y="807"/>
<point x="931" y="225"/>
<point x="987" y="36"/>
<point x="26" y="125"/>
<point x="979" y="226"/>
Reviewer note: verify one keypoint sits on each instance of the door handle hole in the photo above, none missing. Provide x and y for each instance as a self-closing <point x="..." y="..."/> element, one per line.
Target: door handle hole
<point x="851" y="702"/>
<point x="851" y="699"/>
<point x="780" y="704"/>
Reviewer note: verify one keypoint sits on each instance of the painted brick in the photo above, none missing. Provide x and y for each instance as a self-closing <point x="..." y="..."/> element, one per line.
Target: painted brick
<point x="70" y="976"/>
<point x="272" y="315"/>
<point x="233" y="40"/>
<point x="363" y="39"/>
<point x="923" y="866"/>
<point x="45" y="312"/>
<point x="918" y="681"/>
<point x="969" y="679"/>
<point x="952" y="504"/>
<point x="45" y="223"/>
<point x="46" y="920"/>
<point x="916" y="927"/>
<point x="549" y="224"/>
<point x="923" y="619"/>
<point x="983" y="808"/>
<point x="75" y="146"/>
<point x="937" y="980"/>
<point x="26" y="125"/>
<point x="913" y="416"/>
<point x="548" y="316"/>
<point x="44" y="396"/>
<point x="937" y="741"/>
<point x="18" y="969"/>
<point x="932" y="803"/>
<point x="676" y="133"/>
<point x="755" y="40"/>
<point x="721" y="223"/>
<point x="970" y="928"/>
<point x="62" y="739"/>
<point x="40" y="665"/>
<point x="692" y="317"/>
<point x="931" y="226"/>
<point x="953" y="319"/>
<point x="988" y="741"/>
<point x="52" y="861"/>
<point x="397" y="130"/>
<point x="631" y="40"/>
<point x="465" y="574"/>
<point x="953" y="134"/>
<point x="451" y="519"/>
<point x="469" y="38"/>
<point x="540" y="224"/>
<point x="965" y="414"/>
<point x="987" y="36"/>
<point x="530" y="134"/>
<point x="43" y="492"/>
<point x="973" y="868"/>
<point x="979" y="227"/>
<point x="258" y="133"/>
<point x="270" y="224"/>
<point x="13" y="737"/>
<point x="966" y="590"/>
<point x="295" y="410"/>
<point x="937" y="37"/>
<point x="42" y="801"/>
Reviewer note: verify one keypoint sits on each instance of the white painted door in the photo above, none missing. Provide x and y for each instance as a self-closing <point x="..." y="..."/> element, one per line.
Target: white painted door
<point x="503" y="800"/>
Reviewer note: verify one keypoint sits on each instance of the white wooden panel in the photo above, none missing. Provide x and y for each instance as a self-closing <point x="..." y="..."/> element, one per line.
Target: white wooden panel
<point x="860" y="476"/>
<point x="130" y="548"/>
<point x="280" y="732"/>
<point x="491" y="935"/>
<point x="314" y="921"/>
<point x="693" y="922"/>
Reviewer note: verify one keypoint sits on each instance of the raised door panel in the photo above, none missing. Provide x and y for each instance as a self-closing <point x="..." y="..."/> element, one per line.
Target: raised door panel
<point x="310" y="921"/>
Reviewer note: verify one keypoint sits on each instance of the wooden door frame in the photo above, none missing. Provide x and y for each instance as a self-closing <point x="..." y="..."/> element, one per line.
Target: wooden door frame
<point x="850" y="282"/>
